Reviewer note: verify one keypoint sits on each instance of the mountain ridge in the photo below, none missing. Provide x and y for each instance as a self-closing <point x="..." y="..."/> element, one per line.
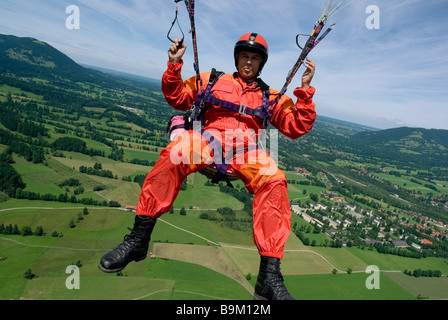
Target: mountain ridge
<point x="419" y="141"/>
<point x="30" y="57"/>
<point x="39" y="57"/>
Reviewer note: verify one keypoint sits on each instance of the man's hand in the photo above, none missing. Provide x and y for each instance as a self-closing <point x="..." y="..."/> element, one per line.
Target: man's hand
<point x="308" y="74"/>
<point x="176" y="51"/>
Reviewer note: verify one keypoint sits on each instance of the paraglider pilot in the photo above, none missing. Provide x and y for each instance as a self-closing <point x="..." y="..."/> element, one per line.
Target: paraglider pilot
<point x="271" y="209"/>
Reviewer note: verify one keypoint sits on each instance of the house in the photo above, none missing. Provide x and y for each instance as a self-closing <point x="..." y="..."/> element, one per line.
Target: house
<point x="339" y="199"/>
<point x="347" y="222"/>
<point x="377" y="222"/>
<point x="399" y="244"/>
<point x="319" y="206"/>
<point x="369" y="241"/>
<point x="319" y="223"/>
<point x="332" y="223"/>
<point x="426" y="241"/>
<point x="331" y="232"/>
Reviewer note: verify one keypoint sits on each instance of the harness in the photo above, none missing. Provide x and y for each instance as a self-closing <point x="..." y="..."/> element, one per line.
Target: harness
<point x="206" y="97"/>
<point x="220" y="170"/>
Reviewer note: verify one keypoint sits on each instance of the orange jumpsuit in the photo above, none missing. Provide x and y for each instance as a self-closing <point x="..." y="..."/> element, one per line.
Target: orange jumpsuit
<point x="271" y="209"/>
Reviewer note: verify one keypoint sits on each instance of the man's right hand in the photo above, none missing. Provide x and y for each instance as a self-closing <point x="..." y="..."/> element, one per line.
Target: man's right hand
<point x="176" y="52"/>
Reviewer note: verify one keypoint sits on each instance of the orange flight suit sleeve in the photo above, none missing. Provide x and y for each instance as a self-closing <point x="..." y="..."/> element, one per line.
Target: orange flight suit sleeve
<point x="295" y="120"/>
<point x="179" y="94"/>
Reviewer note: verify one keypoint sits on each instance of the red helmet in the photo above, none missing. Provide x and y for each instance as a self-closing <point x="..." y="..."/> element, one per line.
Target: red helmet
<point x="253" y="42"/>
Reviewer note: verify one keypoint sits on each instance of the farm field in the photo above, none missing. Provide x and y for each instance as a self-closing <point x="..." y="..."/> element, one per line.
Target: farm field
<point x="194" y="259"/>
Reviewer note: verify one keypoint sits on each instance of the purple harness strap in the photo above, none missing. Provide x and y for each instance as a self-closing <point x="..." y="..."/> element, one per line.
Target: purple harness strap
<point x="197" y="114"/>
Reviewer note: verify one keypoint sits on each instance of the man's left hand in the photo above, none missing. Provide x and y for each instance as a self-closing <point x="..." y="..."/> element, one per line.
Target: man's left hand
<point x="308" y="74"/>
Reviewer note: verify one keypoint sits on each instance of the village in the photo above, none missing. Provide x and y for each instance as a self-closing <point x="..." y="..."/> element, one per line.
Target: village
<point x="352" y="221"/>
<point x="354" y="225"/>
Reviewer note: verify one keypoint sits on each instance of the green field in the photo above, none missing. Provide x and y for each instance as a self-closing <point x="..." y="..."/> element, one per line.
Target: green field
<point x="195" y="258"/>
<point x="188" y="264"/>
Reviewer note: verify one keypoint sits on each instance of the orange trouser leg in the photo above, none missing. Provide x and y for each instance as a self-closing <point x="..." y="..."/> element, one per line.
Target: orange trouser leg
<point x="271" y="210"/>
<point x="187" y="154"/>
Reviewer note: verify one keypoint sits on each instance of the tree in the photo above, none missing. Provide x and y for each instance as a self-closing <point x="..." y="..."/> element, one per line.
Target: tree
<point x="306" y="241"/>
<point x="29" y="274"/>
<point x="97" y="166"/>
<point x="78" y="264"/>
<point x="314" y="197"/>
<point x="183" y="212"/>
<point x="227" y="213"/>
<point x="26" y="231"/>
<point x="10" y="179"/>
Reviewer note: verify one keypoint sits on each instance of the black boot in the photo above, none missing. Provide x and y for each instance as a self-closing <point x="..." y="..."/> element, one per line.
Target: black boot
<point x="270" y="284"/>
<point x="133" y="248"/>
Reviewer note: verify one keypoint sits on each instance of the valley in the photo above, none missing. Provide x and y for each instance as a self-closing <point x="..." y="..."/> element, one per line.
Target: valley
<point x="76" y="144"/>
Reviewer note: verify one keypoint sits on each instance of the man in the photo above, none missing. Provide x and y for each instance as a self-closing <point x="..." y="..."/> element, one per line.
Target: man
<point x="271" y="210"/>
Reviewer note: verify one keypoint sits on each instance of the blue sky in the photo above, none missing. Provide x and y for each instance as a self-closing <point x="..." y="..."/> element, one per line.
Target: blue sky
<point x="393" y="76"/>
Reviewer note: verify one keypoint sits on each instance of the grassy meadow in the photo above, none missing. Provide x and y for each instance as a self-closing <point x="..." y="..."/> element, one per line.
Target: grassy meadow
<point x="188" y="265"/>
<point x="194" y="258"/>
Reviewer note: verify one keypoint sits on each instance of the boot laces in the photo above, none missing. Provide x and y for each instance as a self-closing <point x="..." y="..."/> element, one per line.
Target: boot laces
<point x="132" y="235"/>
<point x="128" y="241"/>
<point x="276" y="281"/>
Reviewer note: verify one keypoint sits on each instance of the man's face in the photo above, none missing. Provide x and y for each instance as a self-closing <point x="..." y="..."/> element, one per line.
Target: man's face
<point x="249" y="64"/>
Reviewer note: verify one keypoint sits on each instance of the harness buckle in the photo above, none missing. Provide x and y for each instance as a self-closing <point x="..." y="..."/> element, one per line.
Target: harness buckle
<point x="243" y="109"/>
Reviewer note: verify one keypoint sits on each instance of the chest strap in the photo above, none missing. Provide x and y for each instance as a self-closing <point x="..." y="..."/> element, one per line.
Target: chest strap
<point x="261" y="112"/>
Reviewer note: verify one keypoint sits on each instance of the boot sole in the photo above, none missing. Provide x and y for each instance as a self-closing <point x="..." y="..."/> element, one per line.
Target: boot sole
<point x="104" y="269"/>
